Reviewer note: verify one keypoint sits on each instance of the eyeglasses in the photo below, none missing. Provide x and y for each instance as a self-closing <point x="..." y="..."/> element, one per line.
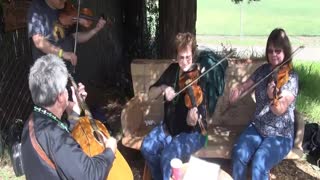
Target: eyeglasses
<point x="277" y="51"/>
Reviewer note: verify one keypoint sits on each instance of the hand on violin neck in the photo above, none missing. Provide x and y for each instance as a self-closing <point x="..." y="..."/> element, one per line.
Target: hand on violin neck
<point x="235" y="94"/>
<point x="192" y="116"/>
<point x="272" y="91"/>
<point x="101" y="23"/>
<point x="69" y="16"/>
<point x="83" y="22"/>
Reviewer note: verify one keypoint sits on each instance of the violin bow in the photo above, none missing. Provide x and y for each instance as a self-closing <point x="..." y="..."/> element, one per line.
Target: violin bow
<point x="81" y="101"/>
<point x="76" y="36"/>
<point x="262" y="79"/>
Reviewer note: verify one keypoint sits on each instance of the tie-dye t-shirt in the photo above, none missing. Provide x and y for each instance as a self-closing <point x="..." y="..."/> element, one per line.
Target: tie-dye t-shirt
<point x="44" y="21"/>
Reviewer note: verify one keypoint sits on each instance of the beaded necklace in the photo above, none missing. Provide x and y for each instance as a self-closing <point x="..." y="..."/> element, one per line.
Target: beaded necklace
<point x="51" y="116"/>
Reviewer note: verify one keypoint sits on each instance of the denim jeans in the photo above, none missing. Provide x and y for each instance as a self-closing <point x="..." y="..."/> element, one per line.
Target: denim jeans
<point x="264" y="153"/>
<point x="158" y="148"/>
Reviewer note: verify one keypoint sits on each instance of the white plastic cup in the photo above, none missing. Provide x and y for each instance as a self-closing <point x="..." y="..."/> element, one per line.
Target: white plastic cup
<point x="176" y="167"/>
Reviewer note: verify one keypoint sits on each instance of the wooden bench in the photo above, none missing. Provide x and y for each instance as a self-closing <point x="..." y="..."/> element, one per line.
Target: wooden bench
<point x="139" y="115"/>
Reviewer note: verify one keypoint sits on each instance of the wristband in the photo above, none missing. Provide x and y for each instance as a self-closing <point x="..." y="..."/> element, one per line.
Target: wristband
<point x="60" y="54"/>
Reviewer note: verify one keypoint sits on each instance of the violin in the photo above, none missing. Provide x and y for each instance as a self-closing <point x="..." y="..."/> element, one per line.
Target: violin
<point x="193" y="93"/>
<point x="280" y="77"/>
<point x="69" y="16"/>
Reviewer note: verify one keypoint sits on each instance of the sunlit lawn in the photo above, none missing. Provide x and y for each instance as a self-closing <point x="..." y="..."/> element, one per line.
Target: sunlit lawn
<point x="6" y="170"/>
<point x="308" y="101"/>
<point x="222" y="17"/>
<point x="6" y="173"/>
<point x="253" y="41"/>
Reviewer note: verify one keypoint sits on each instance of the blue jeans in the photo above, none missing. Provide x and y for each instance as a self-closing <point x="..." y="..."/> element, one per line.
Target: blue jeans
<point x="264" y="152"/>
<point x="158" y="148"/>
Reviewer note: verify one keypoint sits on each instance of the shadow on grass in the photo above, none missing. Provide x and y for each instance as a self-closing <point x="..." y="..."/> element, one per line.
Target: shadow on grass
<point x="308" y="100"/>
<point x="309" y="79"/>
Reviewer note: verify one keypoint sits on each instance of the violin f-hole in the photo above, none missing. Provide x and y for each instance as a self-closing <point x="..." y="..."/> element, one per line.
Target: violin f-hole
<point x="191" y="96"/>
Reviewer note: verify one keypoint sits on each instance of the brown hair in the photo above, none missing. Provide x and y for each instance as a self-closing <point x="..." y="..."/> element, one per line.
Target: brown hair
<point x="278" y="38"/>
<point x="184" y="40"/>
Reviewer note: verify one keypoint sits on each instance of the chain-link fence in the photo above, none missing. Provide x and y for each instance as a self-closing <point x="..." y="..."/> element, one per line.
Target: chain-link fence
<point x="15" y="100"/>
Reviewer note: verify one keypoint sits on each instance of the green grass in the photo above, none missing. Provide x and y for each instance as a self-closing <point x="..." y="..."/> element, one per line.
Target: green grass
<point x="222" y="17"/>
<point x="6" y="170"/>
<point x="232" y="40"/>
<point x="252" y="41"/>
<point x="6" y="173"/>
<point x="308" y="101"/>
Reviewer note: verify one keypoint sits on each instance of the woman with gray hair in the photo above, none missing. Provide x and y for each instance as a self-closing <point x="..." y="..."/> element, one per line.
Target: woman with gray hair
<point x="47" y="145"/>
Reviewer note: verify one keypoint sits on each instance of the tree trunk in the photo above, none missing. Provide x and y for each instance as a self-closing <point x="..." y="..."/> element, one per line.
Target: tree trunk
<point x="175" y="16"/>
<point x="134" y="24"/>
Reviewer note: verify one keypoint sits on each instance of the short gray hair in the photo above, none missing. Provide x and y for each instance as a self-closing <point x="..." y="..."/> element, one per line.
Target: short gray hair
<point x="48" y="78"/>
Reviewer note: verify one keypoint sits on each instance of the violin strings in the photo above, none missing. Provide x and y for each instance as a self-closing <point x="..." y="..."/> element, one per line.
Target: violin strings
<point x="256" y="84"/>
<point x="275" y="69"/>
<point x="195" y="80"/>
